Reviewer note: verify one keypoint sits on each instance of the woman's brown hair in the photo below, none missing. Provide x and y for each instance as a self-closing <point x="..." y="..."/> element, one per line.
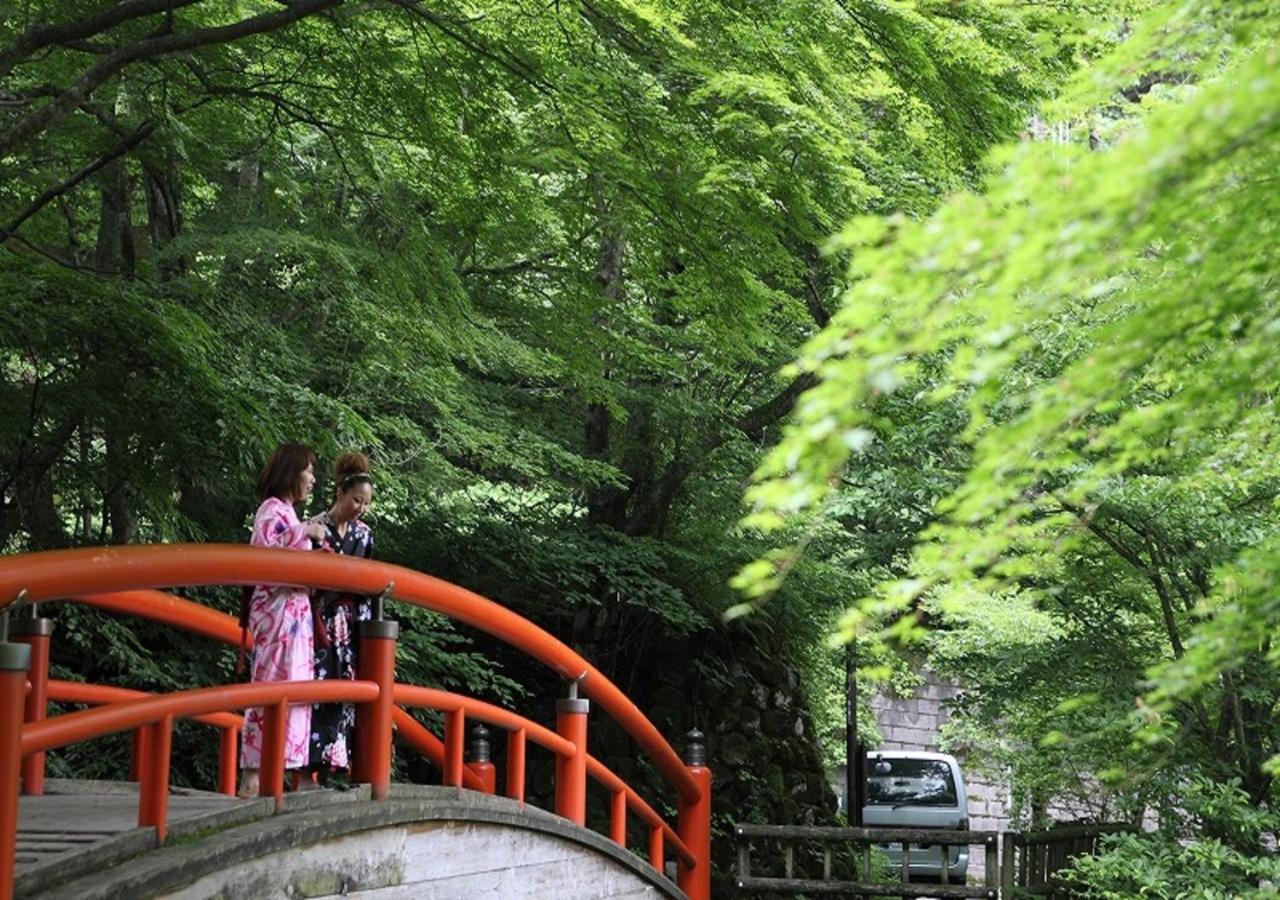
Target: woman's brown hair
<point x="282" y="474"/>
<point x="351" y="469"/>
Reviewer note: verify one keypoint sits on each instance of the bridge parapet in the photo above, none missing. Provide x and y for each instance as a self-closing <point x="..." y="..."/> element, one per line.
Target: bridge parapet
<point x="419" y="840"/>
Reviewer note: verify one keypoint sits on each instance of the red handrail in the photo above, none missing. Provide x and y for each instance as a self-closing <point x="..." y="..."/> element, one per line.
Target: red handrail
<point x="126" y="715"/>
<point x="633" y="801"/>
<point x="156" y="714"/>
<point x="416" y="735"/>
<point x="167" y="609"/>
<point x="408" y="695"/>
<point x="188" y="615"/>
<point x="61" y="573"/>
<point x="101" y="694"/>
<point x="228" y="724"/>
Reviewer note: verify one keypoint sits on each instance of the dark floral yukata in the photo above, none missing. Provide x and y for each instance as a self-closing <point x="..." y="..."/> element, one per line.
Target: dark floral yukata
<point x="332" y="724"/>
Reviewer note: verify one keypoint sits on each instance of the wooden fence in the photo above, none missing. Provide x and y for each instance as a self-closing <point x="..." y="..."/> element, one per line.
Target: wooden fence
<point x="1017" y="865"/>
<point x="1032" y="862"/>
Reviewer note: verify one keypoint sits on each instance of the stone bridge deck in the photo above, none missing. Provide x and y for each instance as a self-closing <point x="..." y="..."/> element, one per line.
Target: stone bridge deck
<point x="80" y="840"/>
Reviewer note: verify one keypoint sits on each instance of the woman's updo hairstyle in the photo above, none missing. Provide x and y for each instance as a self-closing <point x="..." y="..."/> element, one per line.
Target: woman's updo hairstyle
<point x="351" y="469"/>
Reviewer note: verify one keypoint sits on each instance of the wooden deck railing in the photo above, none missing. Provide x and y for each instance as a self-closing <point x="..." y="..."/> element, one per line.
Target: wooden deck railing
<point x="861" y="842"/>
<point x="1016" y="865"/>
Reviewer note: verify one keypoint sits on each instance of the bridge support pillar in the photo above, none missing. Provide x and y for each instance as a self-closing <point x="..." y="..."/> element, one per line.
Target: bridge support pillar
<point x="571" y="771"/>
<point x="14" y="662"/>
<point x="36" y="633"/>
<point x="377" y="662"/>
<point x="695" y="824"/>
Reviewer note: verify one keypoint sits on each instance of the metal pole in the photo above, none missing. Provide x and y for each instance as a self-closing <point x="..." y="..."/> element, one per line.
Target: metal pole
<point x="853" y="757"/>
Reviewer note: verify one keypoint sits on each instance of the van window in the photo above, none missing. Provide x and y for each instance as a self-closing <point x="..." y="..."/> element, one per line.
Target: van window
<point x="912" y="782"/>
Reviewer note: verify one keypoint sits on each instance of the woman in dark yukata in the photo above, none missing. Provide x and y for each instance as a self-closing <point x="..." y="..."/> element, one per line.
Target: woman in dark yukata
<point x="333" y="724"/>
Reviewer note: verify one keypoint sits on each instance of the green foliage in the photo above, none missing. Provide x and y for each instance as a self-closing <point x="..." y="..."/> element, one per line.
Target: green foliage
<point x="1104" y="527"/>
<point x="1192" y="855"/>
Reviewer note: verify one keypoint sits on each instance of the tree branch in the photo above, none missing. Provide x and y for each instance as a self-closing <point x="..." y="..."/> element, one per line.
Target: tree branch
<point x="139" y="134"/>
<point x="150" y="48"/>
<point x="516" y="66"/>
<point x="1148" y="568"/>
<point x="755" y="422"/>
<point x="69" y="33"/>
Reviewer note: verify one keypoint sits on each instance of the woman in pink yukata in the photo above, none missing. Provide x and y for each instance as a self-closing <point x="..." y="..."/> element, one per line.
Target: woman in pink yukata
<point x="279" y="616"/>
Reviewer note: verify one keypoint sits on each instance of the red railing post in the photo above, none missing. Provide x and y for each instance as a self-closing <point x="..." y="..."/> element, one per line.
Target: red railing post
<point x="618" y="818"/>
<point x="479" y="762"/>
<point x="228" y="756"/>
<point x="571" y="771"/>
<point x="153" y="781"/>
<point x="35" y="633"/>
<point x="515" y="764"/>
<point x="695" y="824"/>
<point x="656" y="849"/>
<point x="14" y="660"/>
<point x="139" y="751"/>
<point x="455" y="739"/>
<point x="377" y="662"/>
<point x="275" y="720"/>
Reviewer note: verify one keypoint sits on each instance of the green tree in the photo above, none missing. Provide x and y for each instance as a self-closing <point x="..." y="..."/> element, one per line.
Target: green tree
<point x="1103" y="312"/>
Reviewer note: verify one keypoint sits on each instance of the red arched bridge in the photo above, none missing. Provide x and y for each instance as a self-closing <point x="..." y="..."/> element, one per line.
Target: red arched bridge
<point x="126" y="580"/>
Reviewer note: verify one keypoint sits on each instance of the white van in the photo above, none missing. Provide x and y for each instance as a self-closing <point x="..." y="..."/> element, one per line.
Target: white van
<point x="909" y="789"/>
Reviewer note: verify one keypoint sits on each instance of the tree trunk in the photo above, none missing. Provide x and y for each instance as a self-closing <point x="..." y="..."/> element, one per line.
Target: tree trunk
<point x="115" y="250"/>
<point x="38" y="511"/>
<point x="119" y="498"/>
<point x="164" y="213"/>
<point x="607" y="505"/>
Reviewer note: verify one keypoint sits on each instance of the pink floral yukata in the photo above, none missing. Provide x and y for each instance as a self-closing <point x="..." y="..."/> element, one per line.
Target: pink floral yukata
<point x="280" y="622"/>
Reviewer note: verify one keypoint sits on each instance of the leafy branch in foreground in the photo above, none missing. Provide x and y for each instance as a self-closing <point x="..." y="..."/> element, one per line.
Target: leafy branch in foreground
<point x="1105" y="313"/>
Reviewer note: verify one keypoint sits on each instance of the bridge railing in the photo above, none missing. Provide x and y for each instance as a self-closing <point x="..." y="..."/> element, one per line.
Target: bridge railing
<point x="157" y="712"/>
<point x="123" y="579"/>
<point x="229" y="726"/>
<point x="459" y="710"/>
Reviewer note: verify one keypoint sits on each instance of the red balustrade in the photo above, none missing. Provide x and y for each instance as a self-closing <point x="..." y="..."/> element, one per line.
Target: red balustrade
<point x="623" y="798"/>
<point x="121" y="579"/>
<point x="228" y="725"/>
<point x="157" y="713"/>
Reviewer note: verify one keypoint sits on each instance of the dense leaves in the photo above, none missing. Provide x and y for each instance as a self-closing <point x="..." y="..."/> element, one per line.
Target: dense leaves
<point x="1103" y="312"/>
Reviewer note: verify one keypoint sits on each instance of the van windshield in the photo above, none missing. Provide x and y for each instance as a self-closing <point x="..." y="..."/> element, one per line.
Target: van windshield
<point x="911" y="782"/>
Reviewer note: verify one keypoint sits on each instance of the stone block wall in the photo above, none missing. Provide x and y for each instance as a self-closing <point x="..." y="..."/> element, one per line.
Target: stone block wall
<point x="914" y="723"/>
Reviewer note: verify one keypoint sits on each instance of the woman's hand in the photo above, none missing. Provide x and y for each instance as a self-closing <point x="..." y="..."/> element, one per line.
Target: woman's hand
<point x="315" y="529"/>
